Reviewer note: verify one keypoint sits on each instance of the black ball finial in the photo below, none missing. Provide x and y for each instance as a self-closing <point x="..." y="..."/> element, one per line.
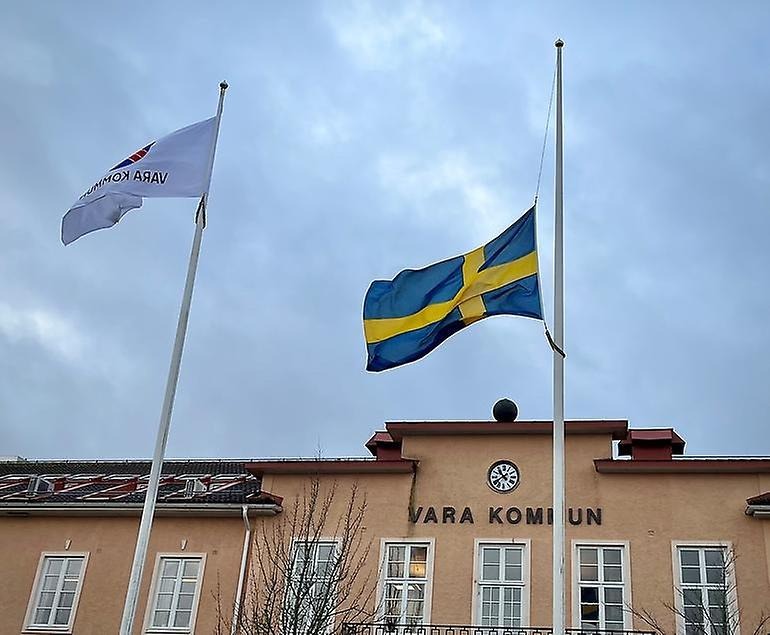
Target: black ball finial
<point x="505" y="411"/>
<point x="559" y="43"/>
<point x="223" y="85"/>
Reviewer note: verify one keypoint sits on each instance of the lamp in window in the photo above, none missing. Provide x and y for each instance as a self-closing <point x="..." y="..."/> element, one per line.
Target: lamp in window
<point x="416" y="569"/>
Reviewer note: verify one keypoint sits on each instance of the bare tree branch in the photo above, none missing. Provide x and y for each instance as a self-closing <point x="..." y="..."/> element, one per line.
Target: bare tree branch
<point x="309" y="572"/>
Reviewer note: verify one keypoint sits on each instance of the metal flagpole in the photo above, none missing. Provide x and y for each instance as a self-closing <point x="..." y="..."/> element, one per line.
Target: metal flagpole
<point x="148" y="511"/>
<point x="558" y="368"/>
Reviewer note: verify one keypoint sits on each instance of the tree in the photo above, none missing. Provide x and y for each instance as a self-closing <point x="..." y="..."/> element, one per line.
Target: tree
<point x="705" y="607"/>
<point x="309" y="571"/>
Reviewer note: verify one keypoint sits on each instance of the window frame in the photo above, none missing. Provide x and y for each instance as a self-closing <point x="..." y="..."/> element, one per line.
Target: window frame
<point x="732" y="595"/>
<point x="151" y="598"/>
<point x="525" y="544"/>
<point x="35" y="592"/>
<point x="625" y="547"/>
<point x="322" y="540"/>
<point x="428" y="599"/>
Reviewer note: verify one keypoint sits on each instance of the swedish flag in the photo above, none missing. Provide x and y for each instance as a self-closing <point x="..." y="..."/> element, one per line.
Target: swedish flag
<point x="407" y="317"/>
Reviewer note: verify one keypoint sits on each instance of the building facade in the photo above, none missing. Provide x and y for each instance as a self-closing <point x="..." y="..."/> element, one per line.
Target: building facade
<point x="456" y="527"/>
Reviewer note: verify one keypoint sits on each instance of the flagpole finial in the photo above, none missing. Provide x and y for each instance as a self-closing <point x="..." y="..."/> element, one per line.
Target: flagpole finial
<point x="223" y="85"/>
<point x="559" y="43"/>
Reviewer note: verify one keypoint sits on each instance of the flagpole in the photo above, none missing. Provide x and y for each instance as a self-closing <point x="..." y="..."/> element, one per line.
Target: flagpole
<point x="148" y="511"/>
<point x="558" y="368"/>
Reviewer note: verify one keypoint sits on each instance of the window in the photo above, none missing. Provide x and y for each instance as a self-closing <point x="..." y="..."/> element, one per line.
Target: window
<point x="406" y="582"/>
<point x="311" y="586"/>
<point x="500" y="585"/>
<point x="602" y="591"/>
<point x="57" y="588"/>
<point x="176" y="589"/>
<point x="705" y="579"/>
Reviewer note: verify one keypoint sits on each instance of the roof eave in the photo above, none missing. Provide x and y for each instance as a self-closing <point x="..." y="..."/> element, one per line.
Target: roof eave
<point x="135" y="509"/>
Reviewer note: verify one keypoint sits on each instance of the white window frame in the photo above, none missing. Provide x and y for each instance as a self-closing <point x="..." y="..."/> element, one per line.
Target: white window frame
<point x="625" y="547"/>
<point x="34" y="594"/>
<point x="526" y="544"/>
<point x="428" y="601"/>
<point x="151" y="598"/>
<point x="325" y="540"/>
<point x="732" y="597"/>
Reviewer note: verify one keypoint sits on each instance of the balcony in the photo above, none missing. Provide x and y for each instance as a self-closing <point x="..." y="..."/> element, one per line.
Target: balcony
<point x="455" y="629"/>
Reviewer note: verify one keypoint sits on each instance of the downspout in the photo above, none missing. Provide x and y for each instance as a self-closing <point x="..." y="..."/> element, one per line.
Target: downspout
<point x="235" y="627"/>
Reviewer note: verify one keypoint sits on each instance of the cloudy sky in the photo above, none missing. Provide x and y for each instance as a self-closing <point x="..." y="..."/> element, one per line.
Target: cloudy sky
<point x="359" y="139"/>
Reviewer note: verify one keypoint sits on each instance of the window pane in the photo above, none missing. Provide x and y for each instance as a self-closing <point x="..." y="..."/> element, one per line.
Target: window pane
<point x="166" y="585"/>
<point x="187" y="587"/>
<point x="612" y="556"/>
<point x="54" y="565"/>
<point x="419" y="554"/>
<point x="614" y="626"/>
<point x="170" y="568"/>
<point x="70" y="585"/>
<point x="164" y="601"/>
<point x="73" y="566"/>
<point x="66" y="599"/>
<point x="613" y="574"/>
<point x="588" y="556"/>
<point x="50" y="582"/>
<point x="46" y="600"/>
<point x="42" y="616"/>
<point x="689" y="557"/>
<point x="513" y="573"/>
<point x="613" y="595"/>
<point x="62" y="616"/>
<point x="589" y="594"/>
<point x="589" y="611"/>
<point x="589" y="572"/>
<point x="714" y="558"/>
<point x="613" y="613"/>
<point x="691" y="597"/>
<point x="396" y="553"/>
<point x="325" y="551"/>
<point x="715" y="576"/>
<point x="160" y="618"/>
<point x="512" y="556"/>
<point x="190" y="569"/>
<point x="185" y="602"/>
<point x="717" y="597"/>
<point x="182" y="618"/>
<point x="690" y="575"/>
<point x="693" y="615"/>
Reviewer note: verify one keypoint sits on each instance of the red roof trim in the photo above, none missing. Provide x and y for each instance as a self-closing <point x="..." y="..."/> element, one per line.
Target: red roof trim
<point x="353" y="466"/>
<point x="760" y="499"/>
<point x="694" y="466"/>
<point x="618" y="428"/>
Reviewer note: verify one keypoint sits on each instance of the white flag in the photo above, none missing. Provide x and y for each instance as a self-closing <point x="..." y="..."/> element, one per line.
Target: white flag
<point x="176" y="165"/>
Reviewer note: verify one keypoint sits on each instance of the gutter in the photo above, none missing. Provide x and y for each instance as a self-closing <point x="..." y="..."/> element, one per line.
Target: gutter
<point x="758" y="511"/>
<point x="242" y="573"/>
<point x="135" y="509"/>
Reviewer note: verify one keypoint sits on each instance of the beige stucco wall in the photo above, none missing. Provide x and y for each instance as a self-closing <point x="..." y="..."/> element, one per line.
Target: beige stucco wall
<point x="646" y="511"/>
<point x="110" y="543"/>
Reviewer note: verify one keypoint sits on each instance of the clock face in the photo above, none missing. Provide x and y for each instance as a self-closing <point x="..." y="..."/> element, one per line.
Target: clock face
<point x="503" y="476"/>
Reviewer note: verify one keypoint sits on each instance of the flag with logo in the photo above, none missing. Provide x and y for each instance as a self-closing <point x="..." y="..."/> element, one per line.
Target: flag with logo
<point x="407" y="317"/>
<point x="176" y="165"/>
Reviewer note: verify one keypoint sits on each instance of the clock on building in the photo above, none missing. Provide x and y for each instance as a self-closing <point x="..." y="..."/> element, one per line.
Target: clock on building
<point x="503" y="476"/>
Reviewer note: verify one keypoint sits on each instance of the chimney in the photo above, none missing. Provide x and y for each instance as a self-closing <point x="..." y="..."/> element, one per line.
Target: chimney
<point x="654" y="444"/>
<point x="383" y="447"/>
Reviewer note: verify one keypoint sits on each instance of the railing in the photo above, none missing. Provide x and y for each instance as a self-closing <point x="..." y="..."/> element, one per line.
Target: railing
<point x="455" y="629"/>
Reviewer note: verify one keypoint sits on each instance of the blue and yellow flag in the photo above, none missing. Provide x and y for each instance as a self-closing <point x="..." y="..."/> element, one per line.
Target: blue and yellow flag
<point x="407" y="317"/>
